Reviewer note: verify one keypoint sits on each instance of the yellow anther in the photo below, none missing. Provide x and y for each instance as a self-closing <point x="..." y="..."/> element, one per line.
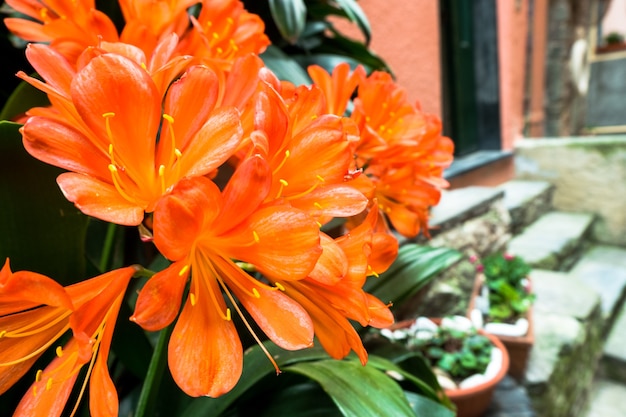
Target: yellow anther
<point x="215" y="35"/>
<point x="192" y="298"/>
<point x="228" y="318"/>
<point x="279" y="286"/>
<point x="319" y="224"/>
<point x="178" y="153"/>
<point x="256" y="293"/>
<point x="314" y="117"/>
<point x="112" y="168"/>
<point x="283" y="182"/>
<point x="256" y="236"/>
<point x="168" y="118"/>
<point x="320" y="178"/>
<point x="230" y="20"/>
<point x="108" y="114"/>
<point x="49" y="384"/>
<point x="183" y="270"/>
<point x="219" y="50"/>
<point x="2" y="333"/>
<point x="38" y="375"/>
<point x="317" y="205"/>
<point x="144" y="66"/>
<point x="59" y="351"/>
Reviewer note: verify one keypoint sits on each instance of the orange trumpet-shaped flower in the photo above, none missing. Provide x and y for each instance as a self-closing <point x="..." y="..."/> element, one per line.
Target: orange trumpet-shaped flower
<point x="400" y="149"/>
<point x="147" y="21"/>
<point x="222" y="32"/>
<point x="69" y="27"/>
<point x="125" y="144"/>
<point x="35" y="313"/>
<point x="204" y="231"/>
<point x="332" y="303"/>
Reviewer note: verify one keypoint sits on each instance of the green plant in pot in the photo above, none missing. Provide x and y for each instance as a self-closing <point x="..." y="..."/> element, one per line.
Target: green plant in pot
<point x="501" y="304"/>
<point x="507" y="284"/>
<point x="467" y="362"/>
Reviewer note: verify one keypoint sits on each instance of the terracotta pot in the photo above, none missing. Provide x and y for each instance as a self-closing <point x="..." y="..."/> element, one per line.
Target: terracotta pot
<point x="473" y="401"/>
<point x="518" y="346"/>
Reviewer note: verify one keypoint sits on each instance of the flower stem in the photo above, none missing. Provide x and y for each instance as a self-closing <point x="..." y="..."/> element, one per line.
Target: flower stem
<point x="107" y="247"/>
<point x="150" y="389"/>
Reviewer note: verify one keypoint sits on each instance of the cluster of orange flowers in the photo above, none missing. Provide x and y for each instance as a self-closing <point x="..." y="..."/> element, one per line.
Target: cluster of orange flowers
<point x="143" y="121"/>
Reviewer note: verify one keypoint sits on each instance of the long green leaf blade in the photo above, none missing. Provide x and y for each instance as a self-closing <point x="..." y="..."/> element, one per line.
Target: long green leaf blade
<point x="290" y="18"/>
<point x="358" y="391"/>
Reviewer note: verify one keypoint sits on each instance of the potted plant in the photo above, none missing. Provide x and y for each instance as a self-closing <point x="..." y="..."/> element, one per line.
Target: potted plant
<point x="501" y="303"/>
<point x="613" y="41"/>
<point x="467" y="362"/>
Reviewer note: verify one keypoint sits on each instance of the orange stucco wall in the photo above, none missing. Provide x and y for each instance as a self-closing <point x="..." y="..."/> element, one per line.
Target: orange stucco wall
<point x="406" y="35"/>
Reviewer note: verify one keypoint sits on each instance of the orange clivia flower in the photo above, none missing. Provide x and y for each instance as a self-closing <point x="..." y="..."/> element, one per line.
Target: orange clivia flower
<point x="332" y="301"/>
<point x="308" y="151"/>
<point x="223" y="32"/>
<point x="125" y="144"/>
<point x="69" y="27"/>
<point x="400" y="150"/>
<point x="147" y="21"/>
<point x="36" y="312"/>
<point x="208" y="233"/>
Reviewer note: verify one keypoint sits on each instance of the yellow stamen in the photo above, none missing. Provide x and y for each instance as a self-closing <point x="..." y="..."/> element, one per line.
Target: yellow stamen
<point x="192" y="298"/>
<point x="287" y="153"/>
<point x="256" y="236"/>
<point x="2" y="333"/>
<point x="279" y="286"/>
<point x="317" y="205"/>
<point x="283" y="182"/>
<point x="256" y="293"/>
<point x="59" y="351"/>
<point x="162" y="177"/>
<point x="183" y="270"/>
<point x="49" y="384"/>
<point x="38" y="375"/>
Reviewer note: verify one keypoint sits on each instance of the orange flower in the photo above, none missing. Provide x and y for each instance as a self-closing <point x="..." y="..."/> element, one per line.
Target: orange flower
<point x="36" y="312"/>
<point x="69" y="27"/>
<point x="339" y="86"/>
<point x="148" y="20"/>
<point x="224" y="31"/>
<point x="125" y="143"/>
<point x="400" y="149"/>
<point x="308" y="151"/>
<point x="333" y="302"/>
<point x="203" y="231"/>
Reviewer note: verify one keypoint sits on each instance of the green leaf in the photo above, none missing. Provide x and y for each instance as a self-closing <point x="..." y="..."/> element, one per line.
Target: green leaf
<point x="256" y="367"/>
<point x="290" y="18"/>
<point x="23" y="98"/>
<point x="423" y="406"/>
<point x="356" y="15"/>
<point x="39" y="229"/>
<point x="414" y="267"/>
<point x="285" y="67"/>
<point x="358" y="391"/>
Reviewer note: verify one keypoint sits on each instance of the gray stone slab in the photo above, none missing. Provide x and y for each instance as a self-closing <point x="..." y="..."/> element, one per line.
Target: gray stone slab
<point x="614" y="358"/>
<point x="561" y="293"/>
<point x="606" y="400"/>
<point x="518" y="193"/>
<point x="603" y="268"/>
<point x="554" y="335"/>
<point x="551" y="239"/>
<point x="461" y="204"/>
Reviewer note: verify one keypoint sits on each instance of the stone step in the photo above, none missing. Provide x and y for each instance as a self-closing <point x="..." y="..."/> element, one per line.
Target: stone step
<point x="603" y="268"/>
<point x="526" y="201"/>
<point x="606" y="400"/>
<point x="554" y="241"/>
<point x="613" y="364"/>
<point x="470" y="219"/>
<point x="568" y="342"/>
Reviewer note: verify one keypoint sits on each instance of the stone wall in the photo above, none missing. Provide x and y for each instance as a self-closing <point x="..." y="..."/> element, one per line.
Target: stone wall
<point x="589" y="174"/>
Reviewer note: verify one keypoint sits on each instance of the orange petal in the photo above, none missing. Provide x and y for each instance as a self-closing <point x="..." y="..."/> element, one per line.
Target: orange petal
<point x="205" y="354"/>
<point x="180" y="215"/>
<point x="245" y="191"/>
<point x="99" y="199"/>
<point x="380" y="315"/>
<point x="62" y="146"/>
<point x="282" y="319"/>
<point x="51" y="66"/>
<point x="332" y="265"/>
<point x="214" y="143"/>
<point x="333" y="200"/>
<point x="112" y="83"/>
<point x="26" y="286"/>
<point x="288" y="242"/>
<point x="159" y="300"/>
<point x="48" y="396"/>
